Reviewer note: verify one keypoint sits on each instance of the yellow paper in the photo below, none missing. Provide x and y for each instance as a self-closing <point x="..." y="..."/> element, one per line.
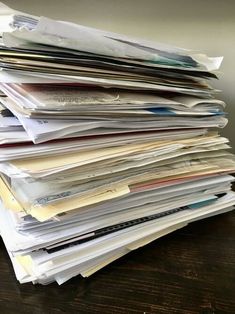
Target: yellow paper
<point x="26" y="263"/>
<point x="8" y="198"/>
<point x="52" y="162"/>
<point x="83" y="158"/>
<point x="49" y="211"/>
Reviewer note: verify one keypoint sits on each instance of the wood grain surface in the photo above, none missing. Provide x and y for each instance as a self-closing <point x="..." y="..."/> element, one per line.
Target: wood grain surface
<point x="189" y="271"/>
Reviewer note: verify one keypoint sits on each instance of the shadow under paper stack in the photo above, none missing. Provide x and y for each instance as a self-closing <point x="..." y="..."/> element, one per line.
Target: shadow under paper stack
<point x="106" y="144"/>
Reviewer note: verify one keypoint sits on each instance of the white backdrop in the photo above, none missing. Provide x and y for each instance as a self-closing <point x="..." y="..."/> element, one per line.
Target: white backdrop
<point x="205" y="25"/>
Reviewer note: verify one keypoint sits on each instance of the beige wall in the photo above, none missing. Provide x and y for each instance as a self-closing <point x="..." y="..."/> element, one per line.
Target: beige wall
<point x="205" y="25"/>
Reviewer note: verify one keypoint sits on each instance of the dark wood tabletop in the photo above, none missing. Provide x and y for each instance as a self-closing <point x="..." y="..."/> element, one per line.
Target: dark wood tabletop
<point x="189" y="271"/>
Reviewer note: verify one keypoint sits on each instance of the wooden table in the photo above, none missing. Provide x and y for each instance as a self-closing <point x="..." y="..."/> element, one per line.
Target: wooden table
<point x="189" y="271"/>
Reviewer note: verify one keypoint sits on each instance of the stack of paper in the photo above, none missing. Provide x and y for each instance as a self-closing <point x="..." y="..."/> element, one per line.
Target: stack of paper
<point x="106" y="144"/>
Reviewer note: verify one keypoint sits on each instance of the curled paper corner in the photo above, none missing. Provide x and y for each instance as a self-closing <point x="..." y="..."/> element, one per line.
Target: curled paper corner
<point x="210" y="63"/>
